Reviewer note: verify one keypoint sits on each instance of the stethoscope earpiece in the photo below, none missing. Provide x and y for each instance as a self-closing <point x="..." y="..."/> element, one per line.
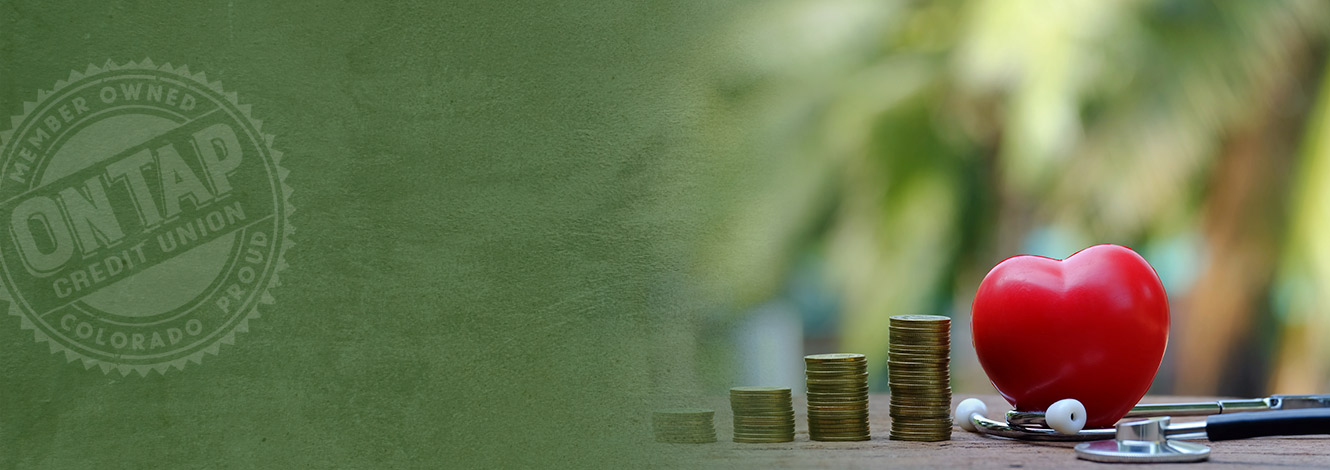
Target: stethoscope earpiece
<point x="967" y="408"/>
<point x="1066" y="416"/>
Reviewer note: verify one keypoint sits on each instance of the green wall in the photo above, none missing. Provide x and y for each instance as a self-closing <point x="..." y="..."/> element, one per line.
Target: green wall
<point x="483" y="218"/>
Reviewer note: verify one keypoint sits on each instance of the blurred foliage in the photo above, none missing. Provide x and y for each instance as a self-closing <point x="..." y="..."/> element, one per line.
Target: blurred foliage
<point x="913" y="145"/>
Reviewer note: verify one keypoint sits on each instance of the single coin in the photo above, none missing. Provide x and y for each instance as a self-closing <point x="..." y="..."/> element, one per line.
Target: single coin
<point x="760" y="389"/>
<point x="838" y="398"/>
<point x="837" y="418"/>
<point x="921" y="405"/>
<point x="839" y="439"/>
<point x="834" y="357"/>
<point x="834" y="366"/>
<point x="919" y="318"/>
<point x="839" y="432"/>
<point x="763" y="421"/>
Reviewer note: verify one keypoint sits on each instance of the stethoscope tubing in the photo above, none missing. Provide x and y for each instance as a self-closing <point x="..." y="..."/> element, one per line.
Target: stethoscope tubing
<point x="1032" y="426"/>
<point x="984" y="425"/>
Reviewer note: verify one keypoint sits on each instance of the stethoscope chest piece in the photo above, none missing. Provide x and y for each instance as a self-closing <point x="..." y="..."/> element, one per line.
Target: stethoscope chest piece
<point x="1141" y="451"/>
<point x="1142" y="441"/>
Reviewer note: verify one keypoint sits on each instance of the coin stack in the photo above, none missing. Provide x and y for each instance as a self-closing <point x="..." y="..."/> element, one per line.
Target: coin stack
<point x="684" y="426"/>
<point x="919" y="377"/>
<point x="837" y="397"/>
<point x="762" y="414"/>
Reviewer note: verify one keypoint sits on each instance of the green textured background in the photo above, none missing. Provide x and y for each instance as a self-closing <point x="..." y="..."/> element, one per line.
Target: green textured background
<point x="483" y="196"/>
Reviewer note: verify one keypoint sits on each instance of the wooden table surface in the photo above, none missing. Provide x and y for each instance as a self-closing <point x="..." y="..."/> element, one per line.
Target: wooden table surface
<point x="969" y="450"/>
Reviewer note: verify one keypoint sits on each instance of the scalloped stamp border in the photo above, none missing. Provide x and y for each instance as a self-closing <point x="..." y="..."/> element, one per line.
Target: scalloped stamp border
<point x="147" y="217"/>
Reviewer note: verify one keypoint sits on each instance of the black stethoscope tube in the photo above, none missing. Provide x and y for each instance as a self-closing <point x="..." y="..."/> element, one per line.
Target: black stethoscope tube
<point x="1246" y="425"/>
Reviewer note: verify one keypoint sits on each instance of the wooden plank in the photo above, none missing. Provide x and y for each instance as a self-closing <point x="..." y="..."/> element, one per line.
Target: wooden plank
<point x="968" y="450"/>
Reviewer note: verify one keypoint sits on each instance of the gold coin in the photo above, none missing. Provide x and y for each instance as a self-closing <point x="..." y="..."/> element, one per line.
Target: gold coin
<point x="765" y="418"/>
<point x="760" y="389"/>
<point x="834" y="366"/>
<point x="838" y="438"/>
<point x="811" y="375"/>
<point x="839" y="398"/>
<point x="837" y="385"/>
<point x="929" y="360"/>
<point x="917" y="338"/>
<point x="839" y="428"/>
<point x="918" y="383"/>
<point x="918" y="378"/>
<point x="921" y="404"/>
<point x="836" y="397"/>
<point x="848" y="428"/>
<point x="920" y="437"/>
<point x="828" y="373"/>
<point x="760" y="404"/>
<point x="837" y="414"/>
<point x="759" y="432"/>
<point x="918" y="372"/>
<point x="919" y="318"/>
<point x="920" y="327"/>
<point x="911" y="416"/>
<point x="901" y="355"/>
<point x="839" y="432"/>
<point x="834" y="357"/>
<point x="825" y="388"/>
<point x="838" y="377"/>
<point x="940" y="331"/>
<point x="765" y="424"/>
<point x="838" y="424"/>
<point x="928" y="425"/>
<point x="839" y="406"/>
<point x="937" y="382"/>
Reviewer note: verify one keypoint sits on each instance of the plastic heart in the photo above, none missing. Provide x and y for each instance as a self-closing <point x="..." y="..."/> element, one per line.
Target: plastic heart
<point x="1092" y="327"/>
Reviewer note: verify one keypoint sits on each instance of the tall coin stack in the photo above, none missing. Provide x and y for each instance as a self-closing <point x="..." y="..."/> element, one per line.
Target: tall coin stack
<point x="684" y="426"/>
<point x="837" y="397"/>
<point x="919" y="377"/>
<point x="762" y="414"/>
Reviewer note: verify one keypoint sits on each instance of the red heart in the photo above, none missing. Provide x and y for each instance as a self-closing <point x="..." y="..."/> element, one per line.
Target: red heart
<point x="1092" y="327"/>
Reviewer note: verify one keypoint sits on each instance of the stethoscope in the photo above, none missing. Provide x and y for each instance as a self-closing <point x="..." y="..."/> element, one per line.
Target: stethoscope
<point x="1155" y="439"/>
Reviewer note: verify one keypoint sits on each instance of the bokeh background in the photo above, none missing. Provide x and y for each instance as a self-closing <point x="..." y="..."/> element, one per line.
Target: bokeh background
<point x="868" y="158"/>
<point x="522" y="226"/>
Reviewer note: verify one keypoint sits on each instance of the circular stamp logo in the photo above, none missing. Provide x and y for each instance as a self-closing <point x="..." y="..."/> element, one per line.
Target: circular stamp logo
<point x="145" y="217"/>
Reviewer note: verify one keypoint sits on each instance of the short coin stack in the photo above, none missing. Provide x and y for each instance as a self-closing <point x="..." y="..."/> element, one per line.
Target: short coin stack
<point x="837" y="397"/>
<point x="684" y="426"/>
<point x="762" y="414"/>
<point x="919" y="377"/>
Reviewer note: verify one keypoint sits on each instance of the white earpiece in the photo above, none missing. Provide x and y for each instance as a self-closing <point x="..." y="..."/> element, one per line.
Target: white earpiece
<point x="970" y="407"/>
<point x="1066" y="416"/>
